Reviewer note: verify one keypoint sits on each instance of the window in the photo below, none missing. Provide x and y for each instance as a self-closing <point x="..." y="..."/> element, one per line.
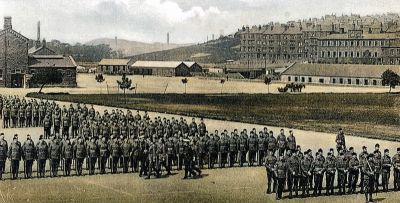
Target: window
<point x="296" y="79"/>
<point x="334" y="80"/>
<point x="289" y="78"/>
<point x="321" y="80"/>
<point x="309" y="79"/>
<point x="349" y="81"/>
<point x="357" y="81"/>
<point x="365" y="82"/>
<point x="303" y="79"/>
<point x="341" y="80"/>
<point x="374" y="82"/>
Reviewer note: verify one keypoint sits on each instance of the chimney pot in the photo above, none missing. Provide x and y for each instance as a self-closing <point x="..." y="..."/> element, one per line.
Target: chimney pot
<point x="7" y="22"/>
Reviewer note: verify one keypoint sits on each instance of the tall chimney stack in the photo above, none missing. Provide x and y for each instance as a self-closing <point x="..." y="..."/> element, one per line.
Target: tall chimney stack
<point x="7" y="22"/>
<point x="38" y="31"/>
<point x="167" y="38"/>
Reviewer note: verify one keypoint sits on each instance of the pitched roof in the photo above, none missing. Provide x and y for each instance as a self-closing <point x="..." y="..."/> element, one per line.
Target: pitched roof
<point x="157" y="64"/>
<point x="51" y="61"/>
<point x="340" y="70"/>
<point x="35" y="49"/>
<point x="189" y="63"/>
<point x="114" y="62"/>
<point x="15" y="33"/>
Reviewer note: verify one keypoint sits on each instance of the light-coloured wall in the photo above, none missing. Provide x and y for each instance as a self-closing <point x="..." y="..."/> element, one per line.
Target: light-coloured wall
<point x="332" y="80"/>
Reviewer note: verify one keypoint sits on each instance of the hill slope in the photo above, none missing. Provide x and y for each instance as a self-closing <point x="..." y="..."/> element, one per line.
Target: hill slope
<point x="217" y="51"/>
<point x="130" y="48"/>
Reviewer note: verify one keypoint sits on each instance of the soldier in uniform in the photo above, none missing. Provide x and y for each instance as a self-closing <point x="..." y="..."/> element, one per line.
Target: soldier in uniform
<point x="56" y="122"/>
<point x="272" y="142"/>
<point x="3" y="154"/>
<point x="368" y="173"/>
<point x="6" y="116"/>
<point x="270" y="161"/>
<point x="262" y="147"/>
<point x="252" y="148"/>
<point x="42" y="155"/>
<point x="65" y="125"/>
<point x="340" y="140"/>
<point x="202" y="128"/>
<point x="281" y="143"/>
<point x="67" y="154"/>
<point x="280" y="174"/>
<point x="223" y="150"/>
<point x="55" y="155"/>
<point x="170" y="152"/>
<point x="15" y="153"/>
<point x="80" y="155"/>
<point x="153" y="160"/>
<point x="212" y="151"/>
<point x="342" y="169"/>
<point x="377" y="168"/>
<point x="104" y="154"/>
<point x="305" y="174"/>
<point x="318" y="171"/>
<point x="93" y="152"/>
<point x="386" y="165"/>
<point x="362" y="157"/>
<point x="330" y="167"/>
<point x="115" y="151"/>
<point x="243" y="146"/>
<point x="396" y="170"/>
<point x="354" y="168"/>
<point x="233" y="149"/>
<point x="126" y="154"/>
<point x="291" y="142"/>
<point x="293" y="173"/>
<point x="28" y="155"/>
<point x="144" y="150"/>
<point x="47" y="126"/>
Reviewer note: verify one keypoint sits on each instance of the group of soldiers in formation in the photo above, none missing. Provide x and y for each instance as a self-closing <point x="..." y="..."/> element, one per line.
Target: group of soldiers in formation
<point x="301" y="172"/>
<point x="78" y="136"/>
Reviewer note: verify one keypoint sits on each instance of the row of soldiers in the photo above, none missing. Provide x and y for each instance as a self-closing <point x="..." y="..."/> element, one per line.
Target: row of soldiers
<point x="301" y="172"/>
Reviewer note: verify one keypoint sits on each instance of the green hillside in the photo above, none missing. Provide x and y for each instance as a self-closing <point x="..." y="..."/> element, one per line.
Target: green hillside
<point x="216" y="51"/>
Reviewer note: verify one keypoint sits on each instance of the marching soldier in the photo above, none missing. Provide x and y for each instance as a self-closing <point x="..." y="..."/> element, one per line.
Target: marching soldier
<point x="28" y="155"/>
<point x="3" y="154"/>
<point x="104" y="154"/>
<point x="386" y="165"/>
<point x="396" y="170"/>
<point x="270" y="161"/>
<point x="93" y="155"/>
<point x="368" y="173"/>
<point x="340" y="140"/>
<point x="15" y="153"/>
<point x="354" y="167"/>
<point x="330" y="166"/>
<point x="280" y="174"/>
<point x="55" y="155"/>
<point x="42" y="155"/>
<point x="342" y="168"/>
<point x="67" y="155"/>
<point x="281" y="143"/>
<point x="80" y="155"/>
<point x="318" y="171"/>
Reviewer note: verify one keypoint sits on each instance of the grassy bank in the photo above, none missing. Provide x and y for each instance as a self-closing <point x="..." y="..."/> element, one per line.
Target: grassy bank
<point x="366" y="115"/>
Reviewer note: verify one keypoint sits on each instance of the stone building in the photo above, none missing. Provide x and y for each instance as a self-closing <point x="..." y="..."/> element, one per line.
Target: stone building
<point x="337" y="74"/>
<point x="350" y="39"/>
<point x="114" y="66"/>
<point x="160" y="68"/>
<point x="18" y="62"/>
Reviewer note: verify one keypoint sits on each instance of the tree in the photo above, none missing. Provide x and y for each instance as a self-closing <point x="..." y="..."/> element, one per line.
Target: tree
<point x="100" y="79"/>
<point x="222" y="84"/>
<point x="185" y="81"/>
<point x="124" y="84"/>
<point x="46" y="76"/>
<point x="391" y="79"/>
<point x="268" y="81"/>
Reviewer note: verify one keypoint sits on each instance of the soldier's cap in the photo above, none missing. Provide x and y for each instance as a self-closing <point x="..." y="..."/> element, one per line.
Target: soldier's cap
<point x="370" y="155"/>
<point x="319" y="150"/>
<point x="376" y="145"/>
<point x="386" y="150"/>
<point x="340" y="129"/>
<point x="331" y="149"/>
<point x="398" y="149"/>
<point x="15" y="135"/>
<point x="351" y="148"/>
<point x="364" y="147"/>
<point x="14" y="138"/>
<point x="354" y="154"/>
<point x="1" y="133"/>
<point x="40" y="137"/>
<point x="329" y="153"/>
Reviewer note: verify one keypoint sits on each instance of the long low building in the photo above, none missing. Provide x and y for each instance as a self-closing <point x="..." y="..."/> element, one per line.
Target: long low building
<point x="160" y="68"/>
<point x="114" y="66"/>
<point x="337" y="74"/>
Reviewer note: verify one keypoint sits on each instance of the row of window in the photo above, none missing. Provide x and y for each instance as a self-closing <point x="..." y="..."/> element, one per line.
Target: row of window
<point x="354" y="43"/>
<point x="334" y="81"/>
<point x="334" y="54"/>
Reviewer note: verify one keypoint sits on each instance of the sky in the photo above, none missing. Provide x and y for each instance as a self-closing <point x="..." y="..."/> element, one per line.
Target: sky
<point x="187" y="21"/>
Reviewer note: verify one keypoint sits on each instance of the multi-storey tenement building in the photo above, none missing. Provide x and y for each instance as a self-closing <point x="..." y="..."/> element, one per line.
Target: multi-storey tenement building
<point x="331" y="39"/>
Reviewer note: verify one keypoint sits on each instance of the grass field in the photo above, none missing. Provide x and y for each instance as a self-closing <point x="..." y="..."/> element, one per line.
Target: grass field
<point x="366" y="115"/>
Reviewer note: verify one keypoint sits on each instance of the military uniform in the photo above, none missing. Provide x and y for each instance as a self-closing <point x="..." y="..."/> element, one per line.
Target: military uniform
<point x="153" y="160"/>
<point x="396" y="171"/>
<point x="362" y="158"/>
<point x="280" y="174"/>
<point x="377" y="167"/>
<point x="126" y="155"/>
<point x="233" y="150"/>
<point x="104" y="154"/>
<point x="330" y="167"/>
<point x="42" y="156"/>
<point x="212" y="151"/>
<point x="342" y="169"/>
<point x="293" y="174"/>
<point x="340" y="141"/>
<point x="253" y="145"/>
<point x="47" y="127"/>
<point x="318" y="171"/>
<point x="93" y="152"/>
<point x="28" y="155"/>
<point x="80" y="155"/>
<point x="55" y="155"/>
<point x="386" y="165"/>
<point x="281" y="144"/>
<point x="272" y="144"/>
<point x="354" y="166"/>
<point x="15" y="153"/>
<point x="115" y="151"/>
<point x="3" y="156"/>
<point x="243" y="145"/>
<point x="262" y="149"/>
<point x="291" y="143"/>
<point x="368" y="173"/>
<point x="306" y="175"/>
<point x="223" y="151"/>
<point x="270" y="161"/>
<point x="67" y="154"/>
<point x="135" y="155"/>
